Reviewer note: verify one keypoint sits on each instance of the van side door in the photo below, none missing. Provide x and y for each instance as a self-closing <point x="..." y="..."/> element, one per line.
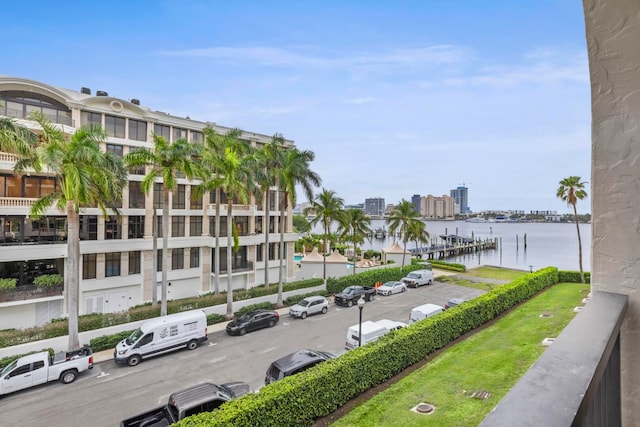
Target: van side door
<point x="19" y="378"/>
<point x="145" y="344"/>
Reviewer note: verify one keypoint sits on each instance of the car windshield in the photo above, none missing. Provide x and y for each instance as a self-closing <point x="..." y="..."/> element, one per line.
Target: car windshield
<point x="8" y="368"/>
<point x="304" y="303"/>
<point x="225" y="391"/>
<point x="245" y="318"/>
<point x="413" y="275"/>
<point x="135" y="336"/>
<point x="349" y="290"/>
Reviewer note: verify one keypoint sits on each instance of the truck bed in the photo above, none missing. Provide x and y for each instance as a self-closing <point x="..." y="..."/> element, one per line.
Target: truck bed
<point x="158" y="417"/>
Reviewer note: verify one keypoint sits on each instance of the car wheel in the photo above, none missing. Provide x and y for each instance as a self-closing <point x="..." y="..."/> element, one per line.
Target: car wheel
<point x="134" y="360"/>
<point x="272" y="323"/>
<point x="324" y="310"/>
<point x="369" y="297"/>
<point x="193" y="344"/>
<point x="349" y="303"/>
<point x="402" y="289"/>
<point x="303" y="315"/>
<point x="242" y="331"/>
<point x="68" y="377"/>
<point x="430" y="282"/>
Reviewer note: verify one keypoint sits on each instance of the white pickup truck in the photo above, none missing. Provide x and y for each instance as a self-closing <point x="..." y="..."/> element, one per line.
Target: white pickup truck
<point x="39" y="368"/>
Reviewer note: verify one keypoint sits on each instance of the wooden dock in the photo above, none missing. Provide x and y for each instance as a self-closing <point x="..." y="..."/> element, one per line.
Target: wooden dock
<point x="448" y="250"/>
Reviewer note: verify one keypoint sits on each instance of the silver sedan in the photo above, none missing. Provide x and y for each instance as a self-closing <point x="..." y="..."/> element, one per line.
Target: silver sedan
<point x="390" y="288"/>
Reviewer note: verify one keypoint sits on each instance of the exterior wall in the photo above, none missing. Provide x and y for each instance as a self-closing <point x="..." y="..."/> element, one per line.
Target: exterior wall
<point x="613" y="31"/>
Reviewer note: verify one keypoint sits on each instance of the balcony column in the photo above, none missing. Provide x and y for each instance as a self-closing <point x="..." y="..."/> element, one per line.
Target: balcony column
<point x="612" y="32"/>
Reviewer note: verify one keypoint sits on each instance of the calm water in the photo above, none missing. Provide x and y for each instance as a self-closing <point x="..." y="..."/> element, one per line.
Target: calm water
<point x="548" y="244"/>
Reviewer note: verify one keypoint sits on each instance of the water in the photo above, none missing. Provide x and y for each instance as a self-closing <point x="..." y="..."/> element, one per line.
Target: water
<point x="548" y="244"/>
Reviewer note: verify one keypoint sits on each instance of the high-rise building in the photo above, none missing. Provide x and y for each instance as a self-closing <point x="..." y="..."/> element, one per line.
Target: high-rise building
<point x="460" y="195"/>
<point x="437" y="207"/>
<point x="117" y="250"/>
<point x="374" y="206"/>
<point x="415" y="199"/>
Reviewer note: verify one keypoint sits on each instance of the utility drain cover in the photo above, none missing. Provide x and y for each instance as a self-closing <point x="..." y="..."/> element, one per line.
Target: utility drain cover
<point x="577" y="309"/>
<point x="546" y="315"/>
<point x="423" y="408"/>
<point x="548" y="341"/>
<point x="480" y="394"/>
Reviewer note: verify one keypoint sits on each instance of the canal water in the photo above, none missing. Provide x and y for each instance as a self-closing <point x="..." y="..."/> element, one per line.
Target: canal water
<point x="548" y="244"/>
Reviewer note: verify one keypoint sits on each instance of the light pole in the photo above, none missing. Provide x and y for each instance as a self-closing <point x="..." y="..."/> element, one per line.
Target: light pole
<point x="360" y="307"/>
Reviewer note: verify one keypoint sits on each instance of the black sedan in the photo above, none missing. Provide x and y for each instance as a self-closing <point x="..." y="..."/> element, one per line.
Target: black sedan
<point x="253" y="320"/>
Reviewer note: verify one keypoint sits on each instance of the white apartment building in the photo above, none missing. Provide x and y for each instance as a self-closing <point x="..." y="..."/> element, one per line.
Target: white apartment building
<point x="117" y="252"/>
<point x="432" y="207"/>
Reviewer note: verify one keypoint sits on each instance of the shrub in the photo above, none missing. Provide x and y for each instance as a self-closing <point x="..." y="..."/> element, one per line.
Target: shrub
<point x="106" y="342"/>
<point x="294" y="299"/>
<point x="573" y="276"/>
<point x="215" y="318"/>
<point x="451" y="266"/>
<point x="369" y="278"/>
<point x="8" y="284"/>
<point x="262" y="305"/>
<point x="370" y="253"/>
<point x="48" y="281"/>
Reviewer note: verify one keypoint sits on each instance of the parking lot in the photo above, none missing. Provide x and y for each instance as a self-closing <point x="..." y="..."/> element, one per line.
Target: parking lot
<point x="110" y="393"/>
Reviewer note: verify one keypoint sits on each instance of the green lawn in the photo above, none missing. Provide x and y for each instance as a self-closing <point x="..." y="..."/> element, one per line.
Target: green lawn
<point x="491" y="360"/>
<point x="495" y="273"/>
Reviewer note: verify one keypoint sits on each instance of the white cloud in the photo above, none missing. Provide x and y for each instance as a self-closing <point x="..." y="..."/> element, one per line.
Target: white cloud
<point x="360" y="101"/>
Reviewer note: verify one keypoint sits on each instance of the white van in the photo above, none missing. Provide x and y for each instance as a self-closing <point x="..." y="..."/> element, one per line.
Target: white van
<point x="424" y="311"/>
<point x="162" y="335"/>
<point x="371" y="331"/>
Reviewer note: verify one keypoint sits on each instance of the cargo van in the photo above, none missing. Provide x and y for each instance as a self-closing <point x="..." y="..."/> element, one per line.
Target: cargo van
<point x="162" y="335"/>
<point x="424" y="311"/>
<point x="371" y="331"/>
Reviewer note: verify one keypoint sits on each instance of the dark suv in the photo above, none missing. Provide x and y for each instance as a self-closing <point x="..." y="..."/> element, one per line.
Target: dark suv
<point x="293" y="363"/>
<point x="253" y="320"/>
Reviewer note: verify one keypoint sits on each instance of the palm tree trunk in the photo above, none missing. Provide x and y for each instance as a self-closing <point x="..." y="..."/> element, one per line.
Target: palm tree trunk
<point x="575" y="215"/>
<point x="324" y="256"/>
<point x="165" y="248"/>
<point x="283" y="207"/>
<point x="72" y="271"/>
<point x="266" y="220"/>
<point x="355" y="251"/>
<point x="229" y="258"/>
<point x="154" y="273"/>
<point x="216" y="257"/>
<point x="404" y="251"/>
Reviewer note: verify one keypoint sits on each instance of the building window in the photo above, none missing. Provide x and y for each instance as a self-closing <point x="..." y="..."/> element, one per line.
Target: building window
<point x="163" y="131"/>
<point x="194" y="257"/>
<point x="136" y="227"/>
<point x="259" y="220"/>
<point x="242" y="225"/>
<point x="159" y="259"/>
<point x="157" y="195"/>
<point x="89" y="118"/>
<point x="88" y="227"/>
<point x="195" y="203"/>
<point x="259" y="251"/>
<point x="112" y="229"/>
<point x="135" y="258"/>
<point x="179" y="194"/>
<point x="273" y="251"/>
<point x="196" y="137"/>
<point x="112" y="264"/>
<point x="159" y="226"/>
<point x="137" y="130"/>
<point x="136" y="196"/>
<point x="223" y="226"/>
<point x="89" y="262"/>
<point x="177" y="226"/>
<point x="177" y="259"/>
<point x="35" y="186"/>
<point x="115" y="126"/>
<point x="115" y="149"/>
<point x="195" y="226"/>
<point x="179" y="134"/>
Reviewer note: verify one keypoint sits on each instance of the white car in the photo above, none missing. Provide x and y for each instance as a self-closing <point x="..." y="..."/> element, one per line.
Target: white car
<point x="390" y="288"/>
<point x="308" y="306"/>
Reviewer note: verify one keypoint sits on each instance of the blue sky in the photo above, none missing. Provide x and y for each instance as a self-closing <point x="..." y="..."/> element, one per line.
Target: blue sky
<point x="394" y="97"/>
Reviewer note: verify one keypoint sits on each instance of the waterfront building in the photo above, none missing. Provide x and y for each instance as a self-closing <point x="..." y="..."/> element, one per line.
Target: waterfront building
<point x="415" y="199"/>
<point x="432" y="207"/>
<point x="374" y="206"/>
<point x="461" y="196"/>
<point x="116" y="265"/>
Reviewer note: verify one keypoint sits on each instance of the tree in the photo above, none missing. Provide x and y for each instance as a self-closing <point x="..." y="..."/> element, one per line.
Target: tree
<point x="301" y="224"/>
<point x="355" y="228"/>
<point x="295" y="171"/>
<point x="15" y="138"/>
<point x="401" y="220"/>
<point x="85" y="176"/>
<point x="418" y="233"/>
<point x="327" y="208"/>
<point x="165" y="161"/>
<point x="269" y="159"/>
<point x="571" y="190"/>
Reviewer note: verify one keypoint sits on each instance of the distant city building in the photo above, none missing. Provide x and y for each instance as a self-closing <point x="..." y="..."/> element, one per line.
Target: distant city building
<point x="437" y="207"/>
<point x="356" y="206"/>
<point x="374" y="206"/>
<point x="389" y="208"/>
<point x="415" y="199"/>
<point x="300" y="207"/>
<point x="543" y="213"/>
<point x="461" y="195"/>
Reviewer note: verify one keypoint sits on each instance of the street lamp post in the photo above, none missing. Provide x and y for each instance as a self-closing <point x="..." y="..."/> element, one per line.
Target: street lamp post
<point x="360" y="307"/>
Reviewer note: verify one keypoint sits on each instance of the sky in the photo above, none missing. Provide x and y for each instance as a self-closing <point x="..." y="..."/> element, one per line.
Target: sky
<point x="395" y="98"/>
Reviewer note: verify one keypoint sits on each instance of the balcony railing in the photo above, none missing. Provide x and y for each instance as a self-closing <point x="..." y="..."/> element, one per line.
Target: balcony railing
<point x="27" y="292"/>
<point x="576" y="381"/>
<point x="16" y="202"/>
<point x="238" y="267"/>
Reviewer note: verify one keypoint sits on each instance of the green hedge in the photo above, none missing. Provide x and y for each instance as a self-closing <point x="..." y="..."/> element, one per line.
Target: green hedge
<point x="573" y="276"/>
<point x="8" y="284"/>
<point x="48" y="281"/>
<point x="300" y="399"/>
<point x="444" y="265"/>
<point x="259" y="306"/>
<point x="369" y="278"/>
<point x="294" y="299"/>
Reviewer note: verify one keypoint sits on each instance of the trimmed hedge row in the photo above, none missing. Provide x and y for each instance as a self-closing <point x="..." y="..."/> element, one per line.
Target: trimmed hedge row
<point x="444" y="265"/>
<point x="573" y="276"/>
<point x="369" y="278"/>
<point x="300" y="399"/>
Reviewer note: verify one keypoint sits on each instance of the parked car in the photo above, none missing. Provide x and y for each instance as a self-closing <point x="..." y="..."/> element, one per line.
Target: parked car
<point x="424" y="311"/>
<point x="453" y="302"/>
<point x="390" y="288"/>
<point x="295" y="362"/>
<point x="253" y="320"/>
<point x="199" y="398"/>
<point x="308" y="306"/>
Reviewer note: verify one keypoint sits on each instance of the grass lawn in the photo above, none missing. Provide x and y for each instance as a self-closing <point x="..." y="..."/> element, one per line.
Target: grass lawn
<point x="495" y="273"/>
<point x="491" y="360"/>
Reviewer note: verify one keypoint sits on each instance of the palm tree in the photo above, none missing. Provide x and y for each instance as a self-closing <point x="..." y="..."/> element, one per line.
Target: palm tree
<point x="15" y="138"/>
<point x="401" y="220"/>
<point x="165" y="161"/>
<point x="571" y="190"/>
<point x="418" y="233"/>
<point x="269" y="158"/>
<point x="355" y="227"/>
<point x="85" y="176"/>
<point x="295" y="171"/>
<point x="327" y="208"/>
